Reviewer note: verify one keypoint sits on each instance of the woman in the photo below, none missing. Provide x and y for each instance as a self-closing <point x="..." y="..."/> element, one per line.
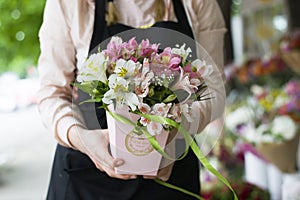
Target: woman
<point x="83" y="167"/>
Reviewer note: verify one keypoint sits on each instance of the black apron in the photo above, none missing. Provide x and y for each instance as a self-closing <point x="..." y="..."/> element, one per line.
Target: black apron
<point x="75" y="177"/>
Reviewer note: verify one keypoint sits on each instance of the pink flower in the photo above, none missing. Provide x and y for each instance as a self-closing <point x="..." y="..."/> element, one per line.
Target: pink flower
<point x="113" y="48"/>
<point x="131" y="45"/>
<point x="292" y="88"/>
<point x="154" y="128"/>
<point x="145" y="49"/>
<point x="128" y="49"/>
<point x="167" y="58"/>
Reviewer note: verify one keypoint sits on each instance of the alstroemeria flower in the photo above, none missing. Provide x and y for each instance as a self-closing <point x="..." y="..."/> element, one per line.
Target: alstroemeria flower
<point x="183" y="83"/>
<point x="182" y="52"/>
<point x="144" y="121"/>
<point x="113" y="49"/>
<point x="161" y="109"/>
<point x="119" y="93"/>
<point x="143" y="79"/>
<point x="127" y="49"/>
<point x="94" y="68"/>
<point x="169" y="59"/>
<point x="144" y="108"/>
<point x="201" y="68"/>
<point x="146" y="49"/>
<point x="154" y="128"/>
<point x="175" y="113"/>
<point x="126" y="69"/>
<point x="187" y="112"/>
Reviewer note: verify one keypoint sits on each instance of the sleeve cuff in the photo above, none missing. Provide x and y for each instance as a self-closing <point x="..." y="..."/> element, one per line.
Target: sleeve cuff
<point x="62" y="128"/>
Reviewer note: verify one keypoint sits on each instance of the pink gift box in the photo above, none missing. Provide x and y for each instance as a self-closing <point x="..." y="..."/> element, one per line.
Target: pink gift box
<point x="139" y="156"/>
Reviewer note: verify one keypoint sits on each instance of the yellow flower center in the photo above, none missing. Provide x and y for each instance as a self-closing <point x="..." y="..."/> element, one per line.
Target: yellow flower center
<point x="122" y="72"/>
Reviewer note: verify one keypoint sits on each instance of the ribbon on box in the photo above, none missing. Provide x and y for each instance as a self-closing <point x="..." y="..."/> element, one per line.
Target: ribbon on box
<point x="189" y="142"/>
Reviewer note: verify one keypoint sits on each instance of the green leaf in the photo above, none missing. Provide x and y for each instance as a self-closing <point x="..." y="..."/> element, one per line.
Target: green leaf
<point x="87" y="87"/>
<point x="170" y="98"/>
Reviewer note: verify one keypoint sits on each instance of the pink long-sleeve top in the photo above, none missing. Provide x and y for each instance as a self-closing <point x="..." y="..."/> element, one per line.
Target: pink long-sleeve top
<point x="65" y="37"/>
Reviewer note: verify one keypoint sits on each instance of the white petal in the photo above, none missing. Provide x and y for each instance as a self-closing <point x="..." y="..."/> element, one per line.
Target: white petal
<point x="154" y="128"/>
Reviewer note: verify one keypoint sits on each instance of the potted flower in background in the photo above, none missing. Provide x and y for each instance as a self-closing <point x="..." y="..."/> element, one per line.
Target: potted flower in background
<point x="290" y="50"/>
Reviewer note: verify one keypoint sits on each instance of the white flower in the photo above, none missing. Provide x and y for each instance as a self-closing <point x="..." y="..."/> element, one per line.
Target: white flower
<point x="182" y="52"/>
<point x="115" y="82"/>
<point x="161" y="109"/>
<point x="280" y="101"/>
<point x="187" y="112"/>
<point x="257" y="90"/>
<point x="119" y="92"/>
<point x="238" y="117"/>
<point x="144" y="121"/>
<point x="93" y="69"/>
<point x="116" y="40"/>
<point x="202" y="68"/>
<point x="250" y="133"/>
<point x="126" y="69"/>
<point x="284" y="126"/>
<point x="154" y="128"/>
<point x="175" y="113"/>
<point x="264" y="134"/>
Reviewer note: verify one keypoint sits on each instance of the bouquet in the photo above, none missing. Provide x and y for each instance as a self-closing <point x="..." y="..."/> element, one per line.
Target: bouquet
<point x="290" y="50"/>
<point x="268" y="120"/>
<point x="151" y="90"/>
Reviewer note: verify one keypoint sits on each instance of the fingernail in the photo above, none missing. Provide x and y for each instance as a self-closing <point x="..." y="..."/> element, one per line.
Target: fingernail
<point x="119" y="163"/>
<point x="132" y="177"/>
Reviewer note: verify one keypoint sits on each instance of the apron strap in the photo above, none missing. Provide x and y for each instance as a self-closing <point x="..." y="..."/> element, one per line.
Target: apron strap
<point x="182" y="17"/>
<point x="99" y="23"/>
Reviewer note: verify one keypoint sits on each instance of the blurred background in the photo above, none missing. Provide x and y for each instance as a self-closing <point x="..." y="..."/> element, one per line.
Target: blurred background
<point x="26" y="148"/>
<point x="258" y="150"/>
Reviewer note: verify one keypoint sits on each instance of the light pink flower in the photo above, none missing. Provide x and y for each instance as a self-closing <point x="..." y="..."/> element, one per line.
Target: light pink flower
<point x="183" y="83"/>
<point x="143" y="80"/>
<point x="144" y="121"/>
<point x="154" y="128"/>
<point x="175" y="113"/>
<point x="161" y="109"/>
<point x="113" y="48"/>
<point x="144" y="108"/>
<point x="187" y="112"/>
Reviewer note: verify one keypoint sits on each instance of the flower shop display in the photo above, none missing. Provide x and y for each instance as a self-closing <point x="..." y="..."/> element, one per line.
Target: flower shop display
<point x="290" y="50"/>
<point x="268" y="120"/>
<point x="228" y="159"/>
<point x="147" y="93"/>
<point x="271" y="71"/>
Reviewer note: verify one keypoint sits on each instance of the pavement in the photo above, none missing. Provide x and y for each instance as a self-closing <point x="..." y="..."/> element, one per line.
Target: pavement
<point x="26" y="154"/>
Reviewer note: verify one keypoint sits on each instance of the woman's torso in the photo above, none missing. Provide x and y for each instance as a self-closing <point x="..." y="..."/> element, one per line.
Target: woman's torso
<point x="134" y="13"/>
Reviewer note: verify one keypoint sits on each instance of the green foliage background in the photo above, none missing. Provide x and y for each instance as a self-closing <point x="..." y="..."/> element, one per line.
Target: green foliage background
<point x="20" y="21"/>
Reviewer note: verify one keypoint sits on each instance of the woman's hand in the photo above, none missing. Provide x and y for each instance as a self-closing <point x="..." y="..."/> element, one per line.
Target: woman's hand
<point x="94" y="143"/>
